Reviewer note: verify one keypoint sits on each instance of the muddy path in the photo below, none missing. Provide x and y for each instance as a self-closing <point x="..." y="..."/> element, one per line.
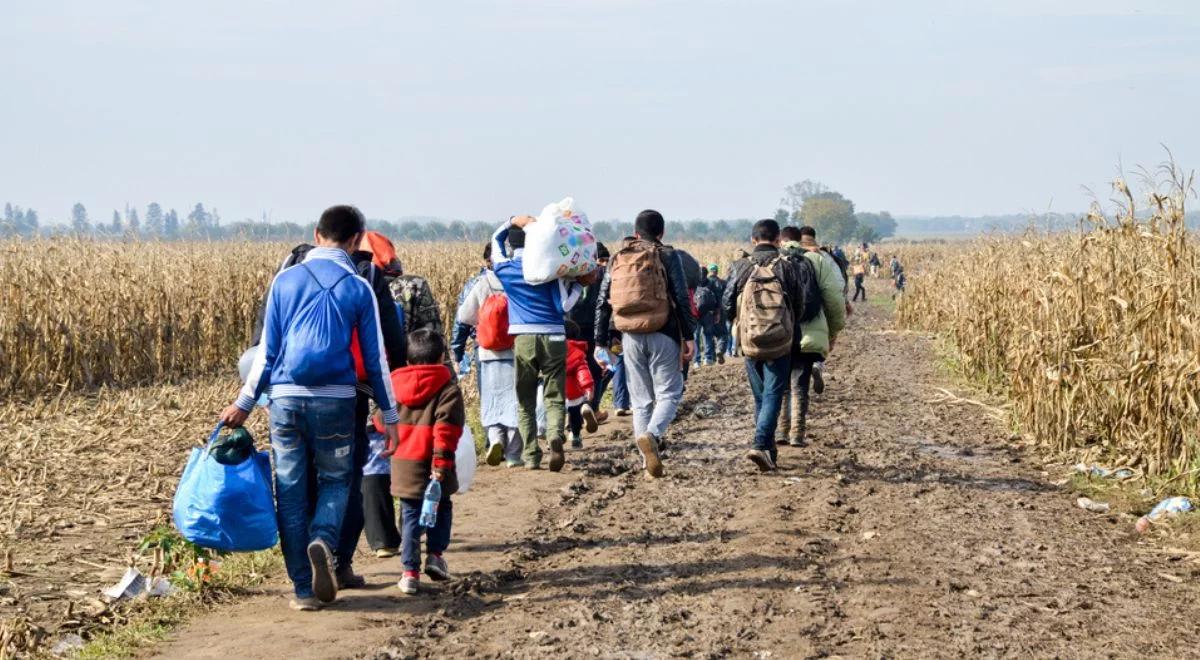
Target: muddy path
<point x="910" y="527"/>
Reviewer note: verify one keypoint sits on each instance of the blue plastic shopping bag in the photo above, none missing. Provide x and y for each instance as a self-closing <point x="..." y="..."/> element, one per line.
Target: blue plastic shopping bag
<point x="226" y="507"/>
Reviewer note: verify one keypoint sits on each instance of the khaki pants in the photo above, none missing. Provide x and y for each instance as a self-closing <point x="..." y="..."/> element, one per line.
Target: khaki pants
<point x="540" y="358"/>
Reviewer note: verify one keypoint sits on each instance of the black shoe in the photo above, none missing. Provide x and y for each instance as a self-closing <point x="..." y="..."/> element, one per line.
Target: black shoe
<point x="818" y="378"/>
<point x="324" y="582"/>
<point x="348" y="579"/>
<point x="783" y="441"/>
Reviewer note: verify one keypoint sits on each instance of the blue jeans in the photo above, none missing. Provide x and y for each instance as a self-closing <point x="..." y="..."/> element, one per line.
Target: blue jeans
<point x="310" y="434"/>
<point x="354" y="520"/>
<point x="706" y="336"/>
<point x="620" y="389"/>
<point x="769" y="382"/>
<point x="437" y="538"/>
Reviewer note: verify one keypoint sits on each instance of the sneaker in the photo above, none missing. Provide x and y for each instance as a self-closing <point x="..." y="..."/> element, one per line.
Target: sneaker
<point x="798" y="441"/>
<point x="495" y="454"/>
<point x="648" y="447"/>
<point x="436" y="568"/>
<point x="818" y="377"/>
<point x="589" y="418"/>
<point x="514" y="464"/>
<point x="762" y="459"/>
<point x="721" y="359"/>
<point x="308" y="604"/>
<point x="622" y="412"/>
<point x="386" y="553"/>
<point x="324" y="581"/>
<point x="601" y="416"/>
<point x="576" y="441"/>
<point x="348" y="579"/>
<point x="410" y="584"/>
<point x="783" y="441"/>
<point x="557" y="457"/>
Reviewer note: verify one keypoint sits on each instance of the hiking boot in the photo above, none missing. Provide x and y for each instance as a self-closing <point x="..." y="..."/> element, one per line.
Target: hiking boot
<point x="576" y="441"/>
<point x="648" y="446"/>
<point x="622" y="412"/>
<point x="308" y="604"/>
<point x="797" y="441"/>
<point x="436" y="568"/>
<point x="348" y="579"/>
<point x="818" y="377"/>
<point x="495" y="454"/>
<point x="387" y="553"/>
<point x="324" y="581"/>
<point x="410" y="584"/>
<point x="589" y="418"/>
<point x="557" y="457"/>
<point x="761" y="458"/>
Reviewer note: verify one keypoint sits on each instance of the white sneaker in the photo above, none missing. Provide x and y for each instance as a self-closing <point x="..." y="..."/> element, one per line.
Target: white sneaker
<point x="761" y="458"/>
<point x="409" y="585"/>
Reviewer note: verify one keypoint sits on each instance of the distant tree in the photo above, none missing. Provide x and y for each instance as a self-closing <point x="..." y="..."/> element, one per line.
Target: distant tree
<point x="80" y="223"/>
<point x="132" y="221"/>
<point x="115" y="227"/>
<point x="831" y="214"/>
<point x="154" y="219"/>
<point x="875" y="226"/>
<point x="29" y="225"/>
<point x="198" y="221"/>
<point x="171" y="225"/>
<point x="781" y="216"/>
<point x="796" y="194"/>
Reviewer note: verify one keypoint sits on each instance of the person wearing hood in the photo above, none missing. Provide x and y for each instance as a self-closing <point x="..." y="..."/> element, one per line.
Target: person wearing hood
<point x="580" y="386"/>
<point x="432" y="416"/>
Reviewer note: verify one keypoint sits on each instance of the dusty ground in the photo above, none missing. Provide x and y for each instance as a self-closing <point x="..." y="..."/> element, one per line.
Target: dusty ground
<point x="910" y="528"/>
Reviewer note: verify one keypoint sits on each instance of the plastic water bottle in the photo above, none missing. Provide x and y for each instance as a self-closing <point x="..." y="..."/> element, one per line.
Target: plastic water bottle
<point x="1170" y="507"/>
<point x="429" y="508"/>
<point x="464" y="367"/>
<point x="603" y="357"/>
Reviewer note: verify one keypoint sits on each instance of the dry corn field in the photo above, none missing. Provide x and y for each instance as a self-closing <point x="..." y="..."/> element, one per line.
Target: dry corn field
<point x="1095" y="335"/>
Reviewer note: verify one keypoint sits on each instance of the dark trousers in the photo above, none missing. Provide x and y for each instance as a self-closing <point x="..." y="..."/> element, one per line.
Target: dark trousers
<point x="620" y="389"/>
<point x="599" y="376"/>
<point x="795" y="410"/>
<point x="437" y="538"/>
<point x="769" y="383"/>
<point x="858" y="288"/>
<point x="379" y="511"/>
<point x="575" y="419"/>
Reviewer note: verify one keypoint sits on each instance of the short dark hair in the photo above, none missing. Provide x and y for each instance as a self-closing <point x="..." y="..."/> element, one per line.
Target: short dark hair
<point x="487" y="251"/>
<point x="341" y="223"/>
<point x="765" y="230"/>
<point x="790" y="233"/>
<point x="426" y="346"/>
<point x="808" y="231"/>
<point x="516" y="238"/>
<point x="602" y="251"/>
<point x="650" y="224"/>
<point x="572" y="329"/>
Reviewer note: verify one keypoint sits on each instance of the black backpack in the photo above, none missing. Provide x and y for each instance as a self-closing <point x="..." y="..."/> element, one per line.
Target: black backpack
<point x="705" y="299"/>
<point x="811" y="302"/>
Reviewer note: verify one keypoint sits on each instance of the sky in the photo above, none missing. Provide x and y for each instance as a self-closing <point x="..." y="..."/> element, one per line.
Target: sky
<point x="479" y="110"/>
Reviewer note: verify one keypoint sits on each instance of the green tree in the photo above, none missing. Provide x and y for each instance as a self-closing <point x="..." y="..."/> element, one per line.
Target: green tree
<point x="132" y="221"/>
<point x="154" y="219"/>
<point x="29" y="225"/>
<point x="198" y="221"/>
<point x="781" y="216"/>
<point x="832" y="215"/>
<point x="875" y="226"/>
<point x="796" y="194"/>
<point x="115" y="227"/>
<point x="80" y="223"/>
<point x="171" y="225"/>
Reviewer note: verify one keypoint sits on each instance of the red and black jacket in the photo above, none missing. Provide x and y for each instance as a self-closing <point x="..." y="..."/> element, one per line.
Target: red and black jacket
<point x="432" y="416"/>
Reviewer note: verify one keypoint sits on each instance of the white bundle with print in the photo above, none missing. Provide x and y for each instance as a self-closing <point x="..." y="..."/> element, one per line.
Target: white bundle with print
<point x="559" y="244"/>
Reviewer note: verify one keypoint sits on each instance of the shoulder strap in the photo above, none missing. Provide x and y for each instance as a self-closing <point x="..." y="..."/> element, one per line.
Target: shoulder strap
<point x="323" y="287"/>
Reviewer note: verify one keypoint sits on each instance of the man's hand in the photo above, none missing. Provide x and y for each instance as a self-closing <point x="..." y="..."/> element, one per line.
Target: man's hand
<point x="689" y="350"/>
<point x="438" y="474"/>
<point x="392" y="431"/>
<point x="520" y="221"/>
<point x="588" y="279"/>
<point x="234" y="417"/>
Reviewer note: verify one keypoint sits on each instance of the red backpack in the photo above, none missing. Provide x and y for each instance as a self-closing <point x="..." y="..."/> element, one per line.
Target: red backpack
<point x="492" y="331"/>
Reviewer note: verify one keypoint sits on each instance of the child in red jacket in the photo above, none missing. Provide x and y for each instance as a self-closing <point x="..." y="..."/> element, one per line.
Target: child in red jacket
<point x="431" y="421"/>
<point x="579" y="387"/>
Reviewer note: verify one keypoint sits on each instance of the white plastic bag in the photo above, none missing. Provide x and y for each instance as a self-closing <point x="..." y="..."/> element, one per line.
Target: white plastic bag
<point x="464" y="460"/>
<point x="559" y="244"/>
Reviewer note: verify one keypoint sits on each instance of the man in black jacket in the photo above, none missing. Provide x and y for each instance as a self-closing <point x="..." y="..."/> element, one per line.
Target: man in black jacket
<point x="394" y="345"/>
<point x="768" y="378"/>
<point x="653" y="361"/>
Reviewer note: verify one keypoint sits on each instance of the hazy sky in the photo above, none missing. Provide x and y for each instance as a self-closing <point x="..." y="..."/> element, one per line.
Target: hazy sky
<point x="482" y="109"/>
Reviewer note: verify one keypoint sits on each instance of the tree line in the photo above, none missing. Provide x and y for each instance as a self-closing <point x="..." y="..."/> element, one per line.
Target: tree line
<point x="807" y="202"/>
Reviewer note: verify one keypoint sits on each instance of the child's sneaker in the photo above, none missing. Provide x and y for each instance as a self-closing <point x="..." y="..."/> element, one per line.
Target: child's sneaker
<point x="436" y="568"/>
<point x="576" y="441"/>
<point x="495" y="454"/>
<point x="589" y="418"/>
<point x="410" y="584"/>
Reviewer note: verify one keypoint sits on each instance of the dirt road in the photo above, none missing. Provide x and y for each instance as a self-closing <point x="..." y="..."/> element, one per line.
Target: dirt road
<point x="910" y="527"/>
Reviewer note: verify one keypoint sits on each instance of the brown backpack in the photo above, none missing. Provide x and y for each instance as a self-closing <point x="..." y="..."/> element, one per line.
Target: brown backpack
<point x="638" y="288"/>
<point x="765" y="321"/>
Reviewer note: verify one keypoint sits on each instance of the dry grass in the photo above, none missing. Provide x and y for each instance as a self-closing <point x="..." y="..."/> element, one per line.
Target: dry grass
<point x="1094" y="335"/>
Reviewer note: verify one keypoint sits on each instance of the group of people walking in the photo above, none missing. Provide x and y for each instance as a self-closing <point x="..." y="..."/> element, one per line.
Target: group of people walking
<point x="343" y="325"/>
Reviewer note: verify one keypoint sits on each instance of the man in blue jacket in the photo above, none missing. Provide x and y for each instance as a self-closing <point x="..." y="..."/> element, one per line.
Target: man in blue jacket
<point x="304" y="358"/>
<point x="535" y="320"/>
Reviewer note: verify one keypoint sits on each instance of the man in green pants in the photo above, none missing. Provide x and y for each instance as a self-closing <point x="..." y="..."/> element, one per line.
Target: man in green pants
<point x="535" y="319"/>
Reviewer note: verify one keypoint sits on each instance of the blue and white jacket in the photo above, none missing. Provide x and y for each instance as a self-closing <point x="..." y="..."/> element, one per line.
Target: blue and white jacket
<point x="533" y="309"/>
<point x="313" y="309"/>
